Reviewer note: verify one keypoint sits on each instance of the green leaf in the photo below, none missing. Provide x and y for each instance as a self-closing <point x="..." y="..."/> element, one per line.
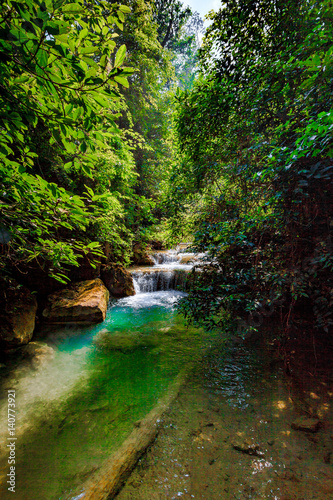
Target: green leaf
<point x="88" y="50"/>
<point x="120" y="56"/>
<point x="122" y="81"/>
<point x="87" y="170"/>
<point x="74" y="8"/>
<point x="124" y="9"/>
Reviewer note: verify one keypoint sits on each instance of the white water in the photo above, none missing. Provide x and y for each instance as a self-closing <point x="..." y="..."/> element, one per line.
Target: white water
<point x="163" y="275"/>
<point x="171" y="260"/>
<point x="165" y="298"/>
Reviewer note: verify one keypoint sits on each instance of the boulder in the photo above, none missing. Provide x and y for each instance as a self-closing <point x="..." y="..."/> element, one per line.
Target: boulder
<point x="117" y="280"/>
<point x="17" y="314"/>
<point x="187" y="259"/>
<point x="306" y="424"/>
<point x="82" y="303"/>
<point x="156" y="245"/>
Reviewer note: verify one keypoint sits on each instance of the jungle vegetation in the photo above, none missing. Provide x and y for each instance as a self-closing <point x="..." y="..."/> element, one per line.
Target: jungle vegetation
<point x="119" y="126"/>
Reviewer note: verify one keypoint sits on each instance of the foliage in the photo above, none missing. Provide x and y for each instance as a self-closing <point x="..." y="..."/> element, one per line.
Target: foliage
<point x="256" y="170"/>
<point x="170" y="16"/>
<point x="59" y="78"/>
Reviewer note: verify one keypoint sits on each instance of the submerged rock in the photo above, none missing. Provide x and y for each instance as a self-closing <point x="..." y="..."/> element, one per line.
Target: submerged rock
<point x="82" y="303"/>
<point x="246" y="446"/>
<point x="118" y="281"/>
<point x="306" y="424"/>
<point x="37" y="353"/>
<point x="117" y="341"/>
<point x="17" y="314"/>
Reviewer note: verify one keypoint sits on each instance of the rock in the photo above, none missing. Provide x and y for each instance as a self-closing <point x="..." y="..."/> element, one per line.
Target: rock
<point x="82" y="303"/>
<point x="157" y="245"/>
<point x="289" y="475"/>
<point x="141" y="256"/>
<point x="17" y="314"/>
<point x="186" y="259"/>
<point x="116" y="341"/>
<point x="306" y="424"/>
<point x="117" y="280"/>
<point x="246" y="446"/>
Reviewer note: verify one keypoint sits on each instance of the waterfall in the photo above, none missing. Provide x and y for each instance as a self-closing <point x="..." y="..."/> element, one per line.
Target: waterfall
<point x="156" y="280"/>
<point x="170" y="257"/>
<point x="168" y="273"/>
<point x="152" y="281"/>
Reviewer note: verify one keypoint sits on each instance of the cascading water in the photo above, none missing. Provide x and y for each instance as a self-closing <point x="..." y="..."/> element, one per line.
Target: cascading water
<point x="169" y="257"/>
<point x="147" y="282"/>
<point x="168" y="272"/>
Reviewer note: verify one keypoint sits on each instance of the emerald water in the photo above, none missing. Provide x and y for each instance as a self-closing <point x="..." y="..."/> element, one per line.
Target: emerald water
<point x="77" y="407"/>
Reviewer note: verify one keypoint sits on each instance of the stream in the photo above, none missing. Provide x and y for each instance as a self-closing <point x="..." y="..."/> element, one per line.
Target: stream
<point x="76" y="406"/>
<point x="80" y="402"/>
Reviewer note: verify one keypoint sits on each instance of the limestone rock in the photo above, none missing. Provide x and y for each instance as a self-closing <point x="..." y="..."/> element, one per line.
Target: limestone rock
<point x="186" y="259"/>
<point x="17" y="314"/>
<point x="306" y="424"/>
<point x="118" y="281"/>
<point x="246" y="446"/>
<point x="156" y="245"/>
<point x="82" y="303"/>
<point x="116" y="341"/>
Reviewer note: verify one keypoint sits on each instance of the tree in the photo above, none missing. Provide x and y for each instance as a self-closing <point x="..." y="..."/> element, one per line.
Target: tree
<point x="171" y="17"/>
<point x="256" y="170"/>
<point x="58" y="84"/>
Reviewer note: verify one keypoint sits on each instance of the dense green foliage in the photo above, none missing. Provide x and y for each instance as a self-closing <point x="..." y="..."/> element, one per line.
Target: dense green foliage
<point x="254" y="183"/>
<point x="85" y="140"/>
<point x="93" y="157"/>
<point x="60" y="71"/>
